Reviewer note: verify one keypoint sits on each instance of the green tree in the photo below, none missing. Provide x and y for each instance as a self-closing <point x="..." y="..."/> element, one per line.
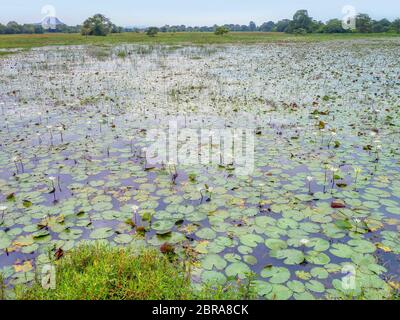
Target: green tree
<point x="13" y="28"/>
<point x="221" y="30"/>
<point x="282" y="25"/>
<point x="363" y="23"/>
<point x="395" y="26"/>
<point x="381" y="26"/>
<point x="152" y="31"/>
<point x="98" y="25"/>
<point x="164" y="28"/>
<point x="252" y="26"/>
<point x="334" y="26"/>
<point x="267" y="26"/>
<point x="28" y="28"/>
<point x="38" y="29"/>
<point x="299" y="31"/>
<point x="317" y="26"/>
<point x="2" y="29"/>
<point x="301" y="21"/>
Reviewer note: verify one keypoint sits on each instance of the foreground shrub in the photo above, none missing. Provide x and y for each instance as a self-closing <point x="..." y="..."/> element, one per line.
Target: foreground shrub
<point x="221" y="30"/>
<point x="101" y="272"/>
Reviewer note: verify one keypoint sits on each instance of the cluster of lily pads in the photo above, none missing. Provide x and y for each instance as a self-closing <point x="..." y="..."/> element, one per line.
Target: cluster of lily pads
<point x="323" y="198"/>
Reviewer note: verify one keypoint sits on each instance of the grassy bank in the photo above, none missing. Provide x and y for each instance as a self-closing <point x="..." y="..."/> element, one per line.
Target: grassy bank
<point x="6" y="53"/>
<point x="35" y="40"/>
<point x="100" y="272"/>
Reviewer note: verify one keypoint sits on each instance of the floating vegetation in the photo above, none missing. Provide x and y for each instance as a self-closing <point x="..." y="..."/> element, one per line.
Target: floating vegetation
<point x="320" y="206"/>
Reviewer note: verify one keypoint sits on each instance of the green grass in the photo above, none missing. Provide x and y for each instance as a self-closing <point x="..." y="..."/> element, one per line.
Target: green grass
<point x="36" y="40"/>
<point x="100" y="272"/>
<point x="2" y="287"/>
<point x="6" y="53"/>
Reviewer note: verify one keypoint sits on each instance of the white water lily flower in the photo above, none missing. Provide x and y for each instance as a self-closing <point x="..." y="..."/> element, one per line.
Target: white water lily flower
<point x="373" y="133"/>
<point x="52" y="178"/>
<point x="304" y="242"/>
<point x="135" y="208"/>
<point x="309" y="178"/>
<point x="3" y="208"/>
<point x="356" y="220"/>
<point x="333" y="169"/>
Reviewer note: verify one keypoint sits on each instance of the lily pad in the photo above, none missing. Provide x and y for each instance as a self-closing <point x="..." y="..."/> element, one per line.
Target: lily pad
<point x="238" y="269"/>
<point x="276" y="275"/>
<point x="102" y="233"/>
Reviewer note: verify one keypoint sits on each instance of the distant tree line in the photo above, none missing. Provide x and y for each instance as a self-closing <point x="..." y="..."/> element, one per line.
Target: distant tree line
<point x="96" y="25"/>
<point x="14" y="28"/>
<point x="301" y="23"/>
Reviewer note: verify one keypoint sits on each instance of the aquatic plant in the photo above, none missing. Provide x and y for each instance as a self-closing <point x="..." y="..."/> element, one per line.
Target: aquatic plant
<point x="173" y="172"/>
<point x="39" y="136"/>
<point x="130" y="139"/>
<point x="3" y="210"/>
<point x="334" y="171"/>
<point x="309" y="179"/>
<point x="209" y="191"/>
<point x="18" y="160"/>
<point x="357" y="172"/>
<point x="40" y="117"/>
<point x="53" y="187"/>
<point x="61" y="130"/>
<point x="135" y="210"/>
<point x="333" y="135"/>
<point x="7" y="123"/>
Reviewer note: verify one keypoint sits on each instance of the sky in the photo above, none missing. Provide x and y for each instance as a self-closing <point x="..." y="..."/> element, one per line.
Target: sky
<point x="189" y="12"/>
